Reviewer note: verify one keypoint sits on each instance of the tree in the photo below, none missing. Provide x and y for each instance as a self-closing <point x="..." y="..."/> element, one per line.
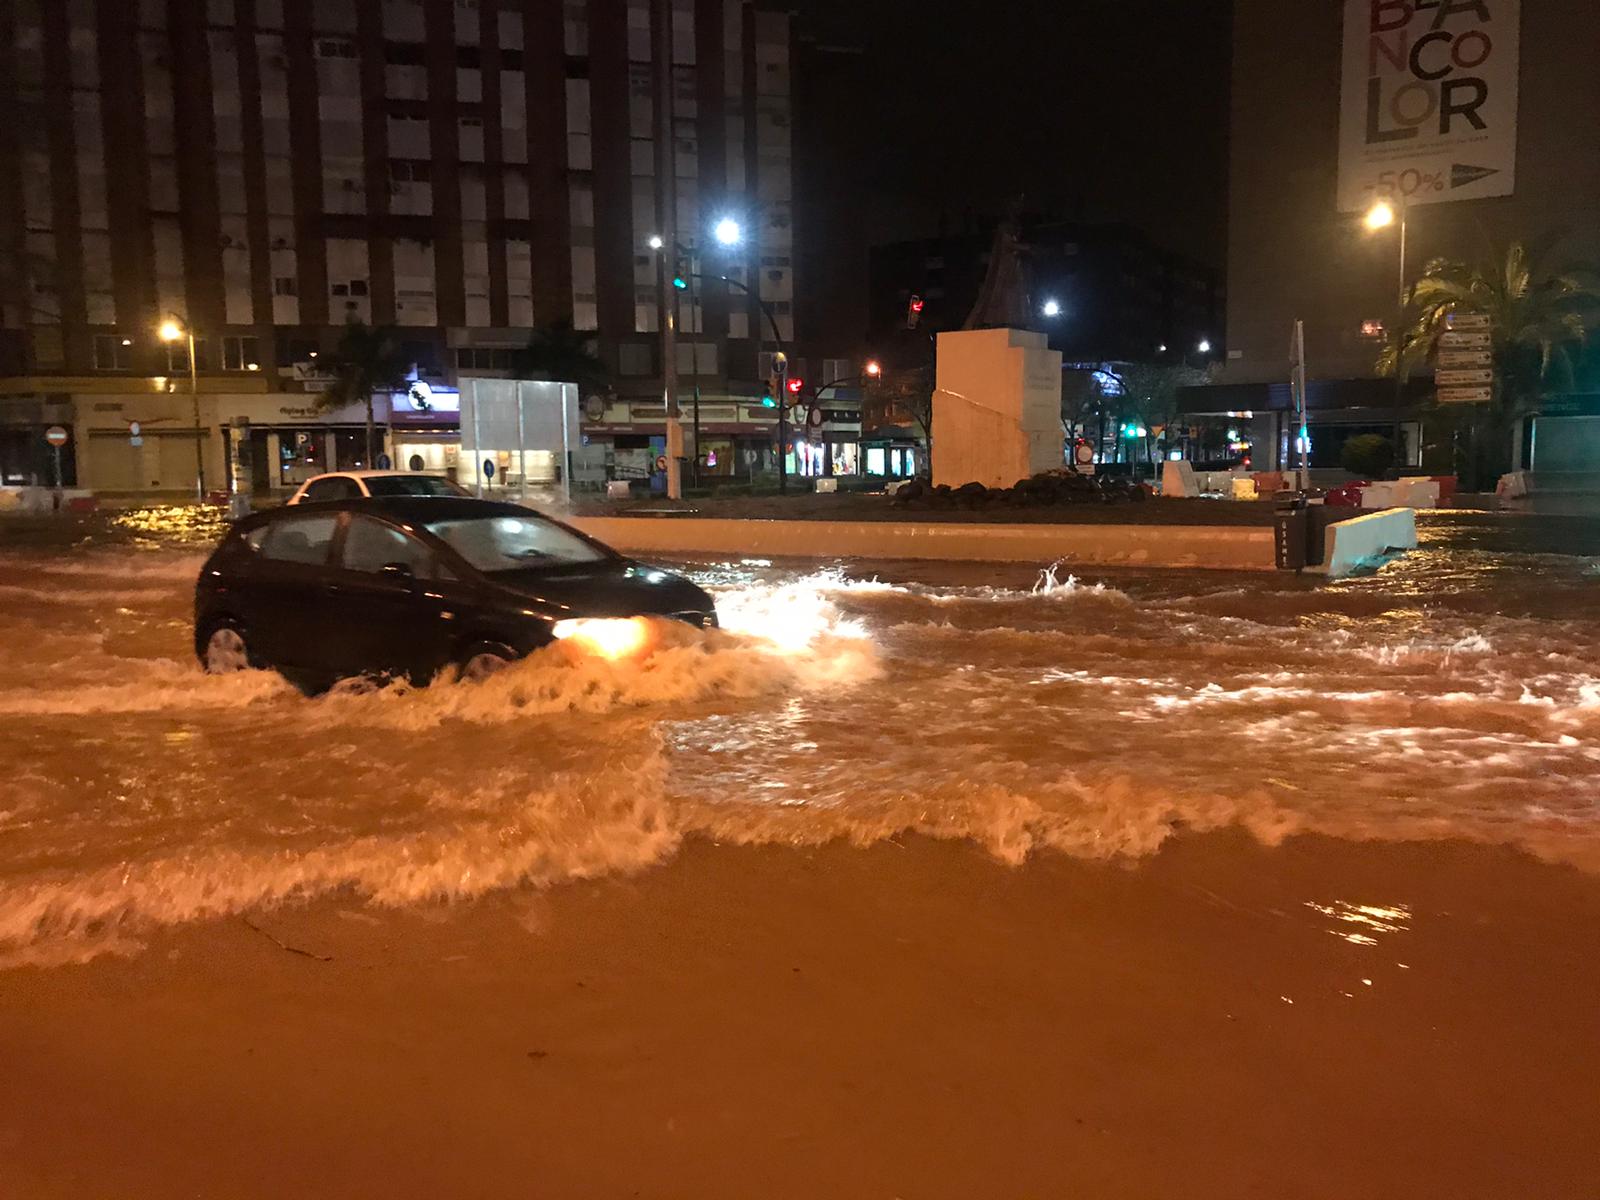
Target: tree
<point x="1538" y="322"/>
<point x="562" y="354"/>
<point x="1149" y="396"/>
<point x="1367" y="455"/>
<point x="906" y="394"/>
<point x="367" y="360"/>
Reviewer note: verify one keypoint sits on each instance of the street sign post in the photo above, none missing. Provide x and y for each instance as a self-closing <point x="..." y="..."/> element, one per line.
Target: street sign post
<point x="56" y="436"/>
<point x="1455" y="359"/>
<point x="1467" y="320"/>
<point x="1465" y="395"/>
<point x="1478" y="377"/>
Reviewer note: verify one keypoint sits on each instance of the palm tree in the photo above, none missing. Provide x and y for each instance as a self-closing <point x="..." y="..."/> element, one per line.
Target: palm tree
<point x="1538" y="324"/>
<point x="562" y="354"/>
<point x="367" y="360"/>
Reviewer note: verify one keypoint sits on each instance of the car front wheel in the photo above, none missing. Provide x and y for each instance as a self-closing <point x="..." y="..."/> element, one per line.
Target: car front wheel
<point x="483" y="660"/>
<point x="225" y="651"/>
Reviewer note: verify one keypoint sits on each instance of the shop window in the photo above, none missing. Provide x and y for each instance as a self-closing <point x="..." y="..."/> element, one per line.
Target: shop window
<point x="875" y="461"/>
<point x="112" y="352"/>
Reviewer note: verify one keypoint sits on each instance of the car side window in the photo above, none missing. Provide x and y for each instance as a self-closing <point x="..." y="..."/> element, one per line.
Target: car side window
<point x="300" y="540"/>
<point x="335" y="488"/>
<point x="371" y="545"/>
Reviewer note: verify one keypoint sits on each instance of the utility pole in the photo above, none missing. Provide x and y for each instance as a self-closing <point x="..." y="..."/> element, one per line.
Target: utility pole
<point x="667" y="218"/>
<point x="780" y="393"/>
<point x="1298" y="387"/>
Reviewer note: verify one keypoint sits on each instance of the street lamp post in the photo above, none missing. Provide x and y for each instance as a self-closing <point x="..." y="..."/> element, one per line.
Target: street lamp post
<point x="1384" y="214"/>
<point x="173" y="330"/>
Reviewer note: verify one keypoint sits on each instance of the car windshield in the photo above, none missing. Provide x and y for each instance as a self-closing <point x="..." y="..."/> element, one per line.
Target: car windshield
<point x="413" y="485"/>
<point x="508" y="543"/>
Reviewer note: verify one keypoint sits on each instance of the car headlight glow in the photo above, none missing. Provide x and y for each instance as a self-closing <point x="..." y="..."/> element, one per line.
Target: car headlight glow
<point x="609" y="637"/>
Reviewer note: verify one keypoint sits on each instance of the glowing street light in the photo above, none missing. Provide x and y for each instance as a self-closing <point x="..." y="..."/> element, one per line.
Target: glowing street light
<point x="1052" y="308"/>
<point x="874" y="369"/>
<point x="1380" y="216"/>
<point x="655" y="242"/>
<point x="1205" y="346"/>
<point x="727" y="232"/>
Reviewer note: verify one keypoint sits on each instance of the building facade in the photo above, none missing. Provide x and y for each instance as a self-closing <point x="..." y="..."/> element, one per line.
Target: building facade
<point x="1294" y="252"/>
<point x="266" y="171"/>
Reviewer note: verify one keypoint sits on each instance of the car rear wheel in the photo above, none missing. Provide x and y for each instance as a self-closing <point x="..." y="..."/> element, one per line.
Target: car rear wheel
<point x="225" y="651"/>
<point x="483" y="660"/>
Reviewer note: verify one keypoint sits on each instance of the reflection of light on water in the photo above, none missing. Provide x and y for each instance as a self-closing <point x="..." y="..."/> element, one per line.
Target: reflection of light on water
<point x="180" y="522"/>
<point x="1367" y="918"/>
<point x="791" y="618"/>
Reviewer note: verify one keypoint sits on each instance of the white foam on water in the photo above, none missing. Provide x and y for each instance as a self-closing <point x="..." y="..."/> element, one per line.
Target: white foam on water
<point x="1073" y="717"/>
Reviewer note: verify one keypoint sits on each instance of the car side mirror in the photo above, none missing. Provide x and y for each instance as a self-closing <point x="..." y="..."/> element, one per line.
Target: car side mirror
<point x="399" y="570"/>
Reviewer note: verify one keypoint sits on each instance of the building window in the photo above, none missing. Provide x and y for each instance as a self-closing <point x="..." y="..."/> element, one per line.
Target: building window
<point x="335" y="48"/>
<point x="112" y="352"/>
<point x="283" y="285"/>
<point x="292" y="351"/>
<point x="178" y="356"/>
<point x="485" y="358"/>
<point x="634" y="358"/>
<point x="414" y="170"/>
<point x="241" y="354"/>
<point x="1372" y="330"/>
<point x="405" y="54"/>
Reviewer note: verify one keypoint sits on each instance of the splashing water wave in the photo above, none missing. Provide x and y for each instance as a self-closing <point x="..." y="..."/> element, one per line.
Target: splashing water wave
<point x="1083" y="718"/>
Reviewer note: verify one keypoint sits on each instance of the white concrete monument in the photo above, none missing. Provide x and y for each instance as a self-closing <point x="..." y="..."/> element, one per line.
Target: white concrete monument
<point x="996" y="407"/>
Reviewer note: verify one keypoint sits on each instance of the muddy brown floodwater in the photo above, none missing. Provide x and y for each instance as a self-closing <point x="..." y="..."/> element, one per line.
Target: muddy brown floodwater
<point x="1111" y="771"/>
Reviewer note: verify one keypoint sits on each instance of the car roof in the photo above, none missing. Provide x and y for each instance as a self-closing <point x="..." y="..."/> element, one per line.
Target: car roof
<point x="416" y="508"/>
<point x="372" y="475"/>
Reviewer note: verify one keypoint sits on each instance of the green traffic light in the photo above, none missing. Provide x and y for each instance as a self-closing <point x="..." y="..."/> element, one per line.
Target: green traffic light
<point x="679" y="282"/>
<point x="768" y="402"/>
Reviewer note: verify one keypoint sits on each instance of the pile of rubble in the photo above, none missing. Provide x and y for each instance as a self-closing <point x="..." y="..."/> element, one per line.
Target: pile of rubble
<point x="1044" y="490"/>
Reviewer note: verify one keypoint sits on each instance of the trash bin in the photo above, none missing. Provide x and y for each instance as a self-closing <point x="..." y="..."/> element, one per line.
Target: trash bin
<point x="1291" y="523"/>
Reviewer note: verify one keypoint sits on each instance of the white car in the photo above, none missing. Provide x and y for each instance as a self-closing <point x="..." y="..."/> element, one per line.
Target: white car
<point x="352" y="485"/>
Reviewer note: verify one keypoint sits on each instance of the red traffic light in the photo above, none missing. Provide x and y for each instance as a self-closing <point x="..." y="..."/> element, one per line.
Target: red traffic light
<point x="916" y="304"/>
<point x="796" y="384"/>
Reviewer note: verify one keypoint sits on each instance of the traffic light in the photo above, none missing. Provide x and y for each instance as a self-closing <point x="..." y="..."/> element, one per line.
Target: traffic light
<point x="796" y="385"/>
<point x="766" y="397"/>
<point x="913" y="311"/>
<point x="679" y="282"/>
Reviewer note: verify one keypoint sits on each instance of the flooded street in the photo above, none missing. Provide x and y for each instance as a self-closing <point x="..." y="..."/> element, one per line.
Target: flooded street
<point x="1453" y="695"/>
<point x="915" y="880"/>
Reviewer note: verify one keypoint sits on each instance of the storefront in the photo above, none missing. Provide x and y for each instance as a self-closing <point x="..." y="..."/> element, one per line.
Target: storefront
<point x="893" y="452"/>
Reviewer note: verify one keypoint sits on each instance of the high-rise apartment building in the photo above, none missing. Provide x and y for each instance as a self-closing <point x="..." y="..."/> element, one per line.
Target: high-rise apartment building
<point x="265" y="171"/>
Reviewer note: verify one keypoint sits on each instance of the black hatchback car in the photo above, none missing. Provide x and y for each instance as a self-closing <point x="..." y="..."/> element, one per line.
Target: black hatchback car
<point x="406" y="586"/>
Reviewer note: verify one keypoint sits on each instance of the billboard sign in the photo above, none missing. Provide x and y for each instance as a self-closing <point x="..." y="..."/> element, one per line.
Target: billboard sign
<point x="1429" y="108"/>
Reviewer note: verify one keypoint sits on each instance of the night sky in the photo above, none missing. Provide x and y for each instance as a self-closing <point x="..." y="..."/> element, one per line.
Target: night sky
<point x="1100" y="109"/>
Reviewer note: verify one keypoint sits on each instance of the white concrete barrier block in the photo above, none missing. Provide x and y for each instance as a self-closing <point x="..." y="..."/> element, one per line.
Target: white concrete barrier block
<point x="618" y="489"/>
<point x="827" y="485"/>
<point x="1347" y="544"/>
<point x="1178" y="479"/>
